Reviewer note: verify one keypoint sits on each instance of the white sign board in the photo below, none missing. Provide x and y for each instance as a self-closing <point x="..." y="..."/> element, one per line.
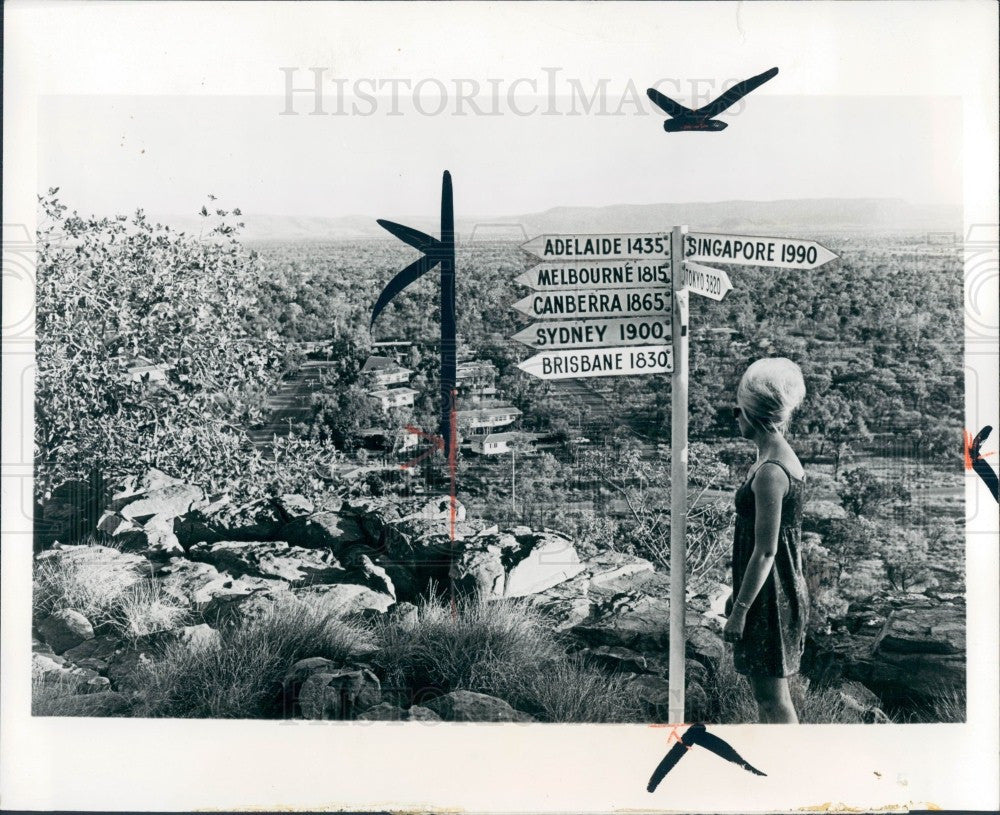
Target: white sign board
<point x="783" y="253"/>
<point x="597" y="275"/>
<point x="643" y="359"/>
<point x="596" y="303"/>
<point x="706" y="281"/>
<point x="595" y="333"/>
<point x="600" y="247"/>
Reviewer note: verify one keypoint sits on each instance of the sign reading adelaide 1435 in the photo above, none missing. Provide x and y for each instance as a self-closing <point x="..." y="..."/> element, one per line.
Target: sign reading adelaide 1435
<point x="597" y="247"/>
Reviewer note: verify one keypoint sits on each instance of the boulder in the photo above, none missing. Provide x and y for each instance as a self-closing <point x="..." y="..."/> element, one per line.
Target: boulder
<point x="439" y="509"/>
<point x="386" y="712"/>
<point x="243" y="606"/>
<point x="469" y="706"/>
<point x="863" y="701"/>
<point x="328" y="530"/>
<point x="165" y="502"/>
<point x="49" y="671"/>
<point x="704" y="644"/>
<point x="125" y="666"/>
<point x="70" y="512"/>
<point x="338" y="693"/>
<point x="189" y="582"/>
<point x="294" y="506"/>
<point x="133" y="485"/>
<point x="113" y="566"/>
<point x="544" y="560"/>
<point x="152" y="537"/>
<point x="404" y="614"/>
<point x="605" y="575"/>
<point x="258" y="520"/>
<point x="932" y="629"/>
<point x="271" y="559"/>
<point x="65" y="629"/>
<point x="631" y="620"/>
<point x="419" y="713"/>
<point x="514" y="563"/>
<point x="96" y="652"/>
<point x="624" y="660"/>
<point x="343" y="599"/>
<point x="383" y="712"/>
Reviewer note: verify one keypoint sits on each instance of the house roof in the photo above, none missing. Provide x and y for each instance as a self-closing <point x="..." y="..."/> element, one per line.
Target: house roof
<point x="383" y="392"/>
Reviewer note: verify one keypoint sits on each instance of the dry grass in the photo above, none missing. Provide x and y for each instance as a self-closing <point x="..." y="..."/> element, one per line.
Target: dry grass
<point x="90" y="586"/>
<point x="143" y="609"/>
<point x="502" y="648"/>
<point x="241" y="675"/>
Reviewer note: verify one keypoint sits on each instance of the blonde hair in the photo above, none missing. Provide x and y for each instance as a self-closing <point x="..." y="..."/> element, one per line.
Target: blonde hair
<point x="770" y="389"/>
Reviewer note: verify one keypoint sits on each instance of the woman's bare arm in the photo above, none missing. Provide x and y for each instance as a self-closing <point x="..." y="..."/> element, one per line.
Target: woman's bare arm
<point x="769" y="488"/>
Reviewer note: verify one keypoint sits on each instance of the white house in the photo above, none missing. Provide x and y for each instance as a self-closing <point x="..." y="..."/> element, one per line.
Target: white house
<point x="487" y="418"/>
<point x="394" y="397"/>
<point x="493" y="444"/>
<point x="383" y="372"/>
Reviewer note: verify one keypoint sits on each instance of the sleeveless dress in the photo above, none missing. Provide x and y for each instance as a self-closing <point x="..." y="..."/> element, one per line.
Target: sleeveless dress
<point x="774" y="635"/>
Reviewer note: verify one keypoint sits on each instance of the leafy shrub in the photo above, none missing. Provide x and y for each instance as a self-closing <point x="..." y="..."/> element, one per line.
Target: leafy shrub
<point x="114" y="295"/>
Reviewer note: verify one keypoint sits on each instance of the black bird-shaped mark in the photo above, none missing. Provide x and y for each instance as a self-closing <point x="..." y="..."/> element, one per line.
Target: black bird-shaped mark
<point x="980" y="465"/>
<point x="697" y="734"/>
<point x="702" y="119"/>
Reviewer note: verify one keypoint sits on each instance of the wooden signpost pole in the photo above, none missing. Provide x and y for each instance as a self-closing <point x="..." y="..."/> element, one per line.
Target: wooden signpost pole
<point x="678" y="478"/>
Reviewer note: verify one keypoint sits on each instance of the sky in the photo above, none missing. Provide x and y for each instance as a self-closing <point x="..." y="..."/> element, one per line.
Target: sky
<point x="114" y="153"/>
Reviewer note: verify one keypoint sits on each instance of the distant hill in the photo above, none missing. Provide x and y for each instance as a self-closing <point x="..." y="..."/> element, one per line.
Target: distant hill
<point x="806" y="214"/>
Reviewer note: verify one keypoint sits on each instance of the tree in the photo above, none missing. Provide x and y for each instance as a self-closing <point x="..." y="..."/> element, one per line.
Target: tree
<point x="147" y="353"/>
<point x="905" y="553"/>
<point x="864" y="493"/>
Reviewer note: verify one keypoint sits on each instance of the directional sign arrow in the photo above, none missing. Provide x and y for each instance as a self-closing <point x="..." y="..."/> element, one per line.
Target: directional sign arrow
<point x="598" y="247"/>
<point x="706" y="281"/>
<point x="595" y="275"/>
<point x="640" y="360"/>
<point x="781" y="253"/>
<point x="595" y="333"/>
<point x="597" y="303"/>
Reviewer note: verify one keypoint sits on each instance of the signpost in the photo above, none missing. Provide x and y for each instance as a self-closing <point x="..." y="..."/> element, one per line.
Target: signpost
<point x="640" y="359"/>
<point x="621" y="274"/>
<point x="595" y="333"/>
<point x="600" y="247"/>
<point x="782" y="253"/>
<point x="596" y="303"/>
<point x="608" y="304"/>
<point x="706" y="281"/>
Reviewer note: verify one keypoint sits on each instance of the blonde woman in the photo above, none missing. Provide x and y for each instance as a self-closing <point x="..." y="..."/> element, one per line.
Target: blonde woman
<point x="769" y="605"/>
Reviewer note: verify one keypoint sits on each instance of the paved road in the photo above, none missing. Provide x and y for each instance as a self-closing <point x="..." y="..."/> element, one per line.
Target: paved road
<point x="291" y="403"/>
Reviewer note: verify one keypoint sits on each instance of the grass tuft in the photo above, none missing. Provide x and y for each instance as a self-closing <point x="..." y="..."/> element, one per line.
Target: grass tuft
<point x="241" y="675"/>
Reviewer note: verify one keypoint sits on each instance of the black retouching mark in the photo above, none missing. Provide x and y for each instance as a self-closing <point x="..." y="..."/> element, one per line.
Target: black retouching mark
<point x="435" y="252"/>
<point x="684" y="118"/>
<point x="697" y="734"/>
<point x="980" y="465"/>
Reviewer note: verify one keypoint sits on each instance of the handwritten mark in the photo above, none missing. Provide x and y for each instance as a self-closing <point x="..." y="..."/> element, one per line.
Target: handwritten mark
<point x="975" y="460"/>
<point x="696" y="734"/>
<point x="684" y="118"/>
<point x="435" y="252"/>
